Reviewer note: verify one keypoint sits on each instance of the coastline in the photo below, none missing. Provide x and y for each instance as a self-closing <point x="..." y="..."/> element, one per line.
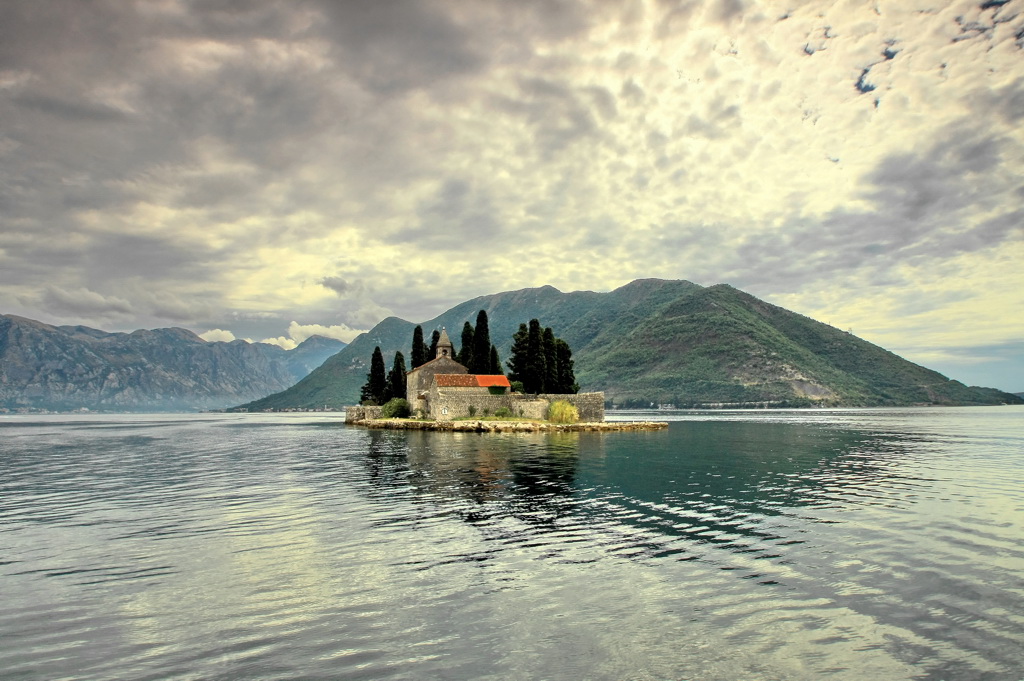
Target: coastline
<point x="481" y="426"/>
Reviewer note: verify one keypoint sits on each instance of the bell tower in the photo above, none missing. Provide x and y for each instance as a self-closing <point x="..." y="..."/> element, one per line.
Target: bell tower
<point x="444" y="346"/>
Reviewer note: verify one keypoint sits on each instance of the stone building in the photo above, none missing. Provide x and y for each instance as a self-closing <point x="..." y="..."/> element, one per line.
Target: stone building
<point x="442" y="389"/>
<point x="417" y="381"/>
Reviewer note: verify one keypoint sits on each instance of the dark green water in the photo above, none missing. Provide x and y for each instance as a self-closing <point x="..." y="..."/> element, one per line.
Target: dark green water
<point x="860" y="544"/>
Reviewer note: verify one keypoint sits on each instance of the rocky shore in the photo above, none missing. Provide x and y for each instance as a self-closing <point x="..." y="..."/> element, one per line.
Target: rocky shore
<point x="481" y="426"/>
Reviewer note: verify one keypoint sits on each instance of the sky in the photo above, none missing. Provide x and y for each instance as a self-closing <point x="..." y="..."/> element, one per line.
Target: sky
<point x="271" y="170"/>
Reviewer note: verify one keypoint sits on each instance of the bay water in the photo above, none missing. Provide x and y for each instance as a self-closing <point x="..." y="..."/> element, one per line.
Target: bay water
<point x="839" y="544"/>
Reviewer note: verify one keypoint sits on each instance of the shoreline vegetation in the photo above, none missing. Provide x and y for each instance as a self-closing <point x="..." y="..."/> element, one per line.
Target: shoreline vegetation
<point x="515" y="426"/>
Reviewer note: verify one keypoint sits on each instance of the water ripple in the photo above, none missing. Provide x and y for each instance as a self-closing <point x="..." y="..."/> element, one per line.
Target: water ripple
<point x="855" y="545"/>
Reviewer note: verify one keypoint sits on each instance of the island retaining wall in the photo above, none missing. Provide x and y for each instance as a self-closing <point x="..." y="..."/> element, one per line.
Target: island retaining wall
<point x="355" y="414"/>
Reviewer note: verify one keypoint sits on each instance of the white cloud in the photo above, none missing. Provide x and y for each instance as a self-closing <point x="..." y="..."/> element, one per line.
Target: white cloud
<point x="300" y="332"/>
<point x="215" y="335"/>
<point x="281" y="341"/>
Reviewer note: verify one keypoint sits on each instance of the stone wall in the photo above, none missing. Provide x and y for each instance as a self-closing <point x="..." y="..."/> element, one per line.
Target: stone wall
<point x="590" y="405"/>
<point x="453" y="403"/>
<point x="354" y="414"/>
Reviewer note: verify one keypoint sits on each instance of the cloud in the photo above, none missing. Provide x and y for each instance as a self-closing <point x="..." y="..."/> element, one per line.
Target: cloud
<point x="236" y="166"/>
<point x="300" y="332"/>
<point x="457" y="214"/>
<point x="297" y="333"/>
<point x="217" y="335"/>
<point x="397" y="46"/>
<point x="82" y="302"/>
<point x="341" y="286"/>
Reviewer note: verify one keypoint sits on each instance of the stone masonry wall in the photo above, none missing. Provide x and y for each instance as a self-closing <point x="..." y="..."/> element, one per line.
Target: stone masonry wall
<point x="452" y="403"/>
<point x="353" y="414"/>
<point x="590" y="405"/>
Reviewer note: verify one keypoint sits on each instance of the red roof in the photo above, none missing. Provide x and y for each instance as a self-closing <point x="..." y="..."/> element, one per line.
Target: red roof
<point x="495" y="381"/>
<point x="471" y="381"/>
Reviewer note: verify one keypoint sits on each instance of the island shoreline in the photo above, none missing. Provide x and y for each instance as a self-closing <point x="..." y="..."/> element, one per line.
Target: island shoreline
<point x="486" y="426"/>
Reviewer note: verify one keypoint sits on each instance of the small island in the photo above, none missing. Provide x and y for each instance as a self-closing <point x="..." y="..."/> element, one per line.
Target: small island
<point x="442" y="395"/>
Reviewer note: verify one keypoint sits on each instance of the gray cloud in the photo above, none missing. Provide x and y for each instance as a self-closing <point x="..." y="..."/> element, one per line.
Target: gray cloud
<point x="358" y="159"/>
<point x="397" y="46"/>
<point x="460" y="214"/>
<point x="923" y="207"/>
<point x="84" y="303"/>
<point x="558" y="113"/>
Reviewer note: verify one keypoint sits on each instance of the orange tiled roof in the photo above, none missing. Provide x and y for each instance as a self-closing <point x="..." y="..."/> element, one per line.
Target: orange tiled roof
<point x="470" y="381"/>
<point x="489" y="381"/>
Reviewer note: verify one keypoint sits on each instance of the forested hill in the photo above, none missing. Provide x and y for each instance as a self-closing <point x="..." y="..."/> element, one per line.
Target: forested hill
<point x="667" y="342"/>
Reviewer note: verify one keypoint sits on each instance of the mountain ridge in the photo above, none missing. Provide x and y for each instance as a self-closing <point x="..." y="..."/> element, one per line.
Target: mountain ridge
<point x="667" y="341"/>
<point x="65" y="368"/>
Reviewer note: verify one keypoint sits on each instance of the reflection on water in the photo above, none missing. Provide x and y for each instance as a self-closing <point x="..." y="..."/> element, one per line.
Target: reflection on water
<point x="848" y="544"/>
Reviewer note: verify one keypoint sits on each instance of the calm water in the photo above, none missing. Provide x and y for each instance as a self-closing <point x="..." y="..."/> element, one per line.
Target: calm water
<point x="862" y="544"/>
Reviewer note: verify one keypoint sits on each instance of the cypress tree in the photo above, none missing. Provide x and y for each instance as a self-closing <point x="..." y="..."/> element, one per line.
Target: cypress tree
<point x="481" y="345"/>
<point x="494" y="367"/>
<point x="396" y="378"/>
<point x="419" y="348"/>
<point x="466" y="351"/>
<point x="435" y="338"/>
<point x="376" y="386"/>
<point x="517" y="361"/>
<point x="550" y="362"/>
<point x="533" y="380"/>
<point x="566" y="377"/>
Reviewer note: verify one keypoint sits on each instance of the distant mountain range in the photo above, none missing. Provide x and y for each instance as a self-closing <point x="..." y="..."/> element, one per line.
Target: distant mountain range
<point x="66" y="368"/>
<point x="667" y="342"/>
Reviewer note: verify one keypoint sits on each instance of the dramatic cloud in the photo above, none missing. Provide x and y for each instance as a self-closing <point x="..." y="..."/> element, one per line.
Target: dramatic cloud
<point x="237" y="166"/>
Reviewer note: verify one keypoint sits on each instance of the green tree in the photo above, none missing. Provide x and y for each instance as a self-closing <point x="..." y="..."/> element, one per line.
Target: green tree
<point x="550" y="383"/>
<point x="419" y="348"/>
<point x="541" y="361"/>
<point x="481" y="345"/>
<point x="375" y="388"/>
<point x="465" y="357"/>
<point x="494" y="366"/>
<point x="396" y="378"/>
<point x="533" y="379"/>
<point x="435" y="338"/>
<point x="566" y="377"/>
<point x="396" y="408"/>
<point x="517" y="361"/>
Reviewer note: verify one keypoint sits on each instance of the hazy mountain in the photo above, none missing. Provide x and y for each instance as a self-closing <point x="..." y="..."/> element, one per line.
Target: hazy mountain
<point x="71" y="367"/>
<point x="667" y="342"/>
<point x="305" y="357"/>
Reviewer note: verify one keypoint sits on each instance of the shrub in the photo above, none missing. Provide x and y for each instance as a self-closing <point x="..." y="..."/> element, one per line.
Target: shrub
<point x="472" y="410"/>
<point x="561" y="411"/>
<point x="503" y="412"/>
<point x="517" y="386"/>
<point x="395" y="409"/>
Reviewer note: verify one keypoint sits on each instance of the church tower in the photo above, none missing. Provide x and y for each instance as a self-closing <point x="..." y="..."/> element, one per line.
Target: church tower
<point x="444" y="346"/>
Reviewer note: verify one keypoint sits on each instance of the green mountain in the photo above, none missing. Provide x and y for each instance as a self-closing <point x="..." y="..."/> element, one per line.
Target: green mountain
<point x="667" y="342"/>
